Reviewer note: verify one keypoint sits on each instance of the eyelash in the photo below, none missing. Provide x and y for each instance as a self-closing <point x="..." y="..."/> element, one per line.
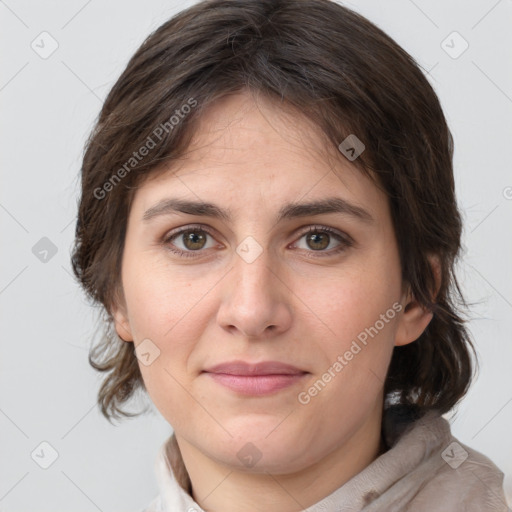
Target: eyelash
<point x="345" y="240"/>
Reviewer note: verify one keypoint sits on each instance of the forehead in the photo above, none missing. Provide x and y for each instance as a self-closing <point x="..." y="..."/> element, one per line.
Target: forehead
<point x="255" y="152"/>
<point x="240" y="125"/>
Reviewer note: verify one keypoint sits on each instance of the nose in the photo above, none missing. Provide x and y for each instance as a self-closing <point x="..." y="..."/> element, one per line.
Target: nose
<point x="256" y="300"/>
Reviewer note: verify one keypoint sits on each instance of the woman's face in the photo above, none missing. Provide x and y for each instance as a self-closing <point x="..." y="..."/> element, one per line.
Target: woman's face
<point x="253" y="285"/>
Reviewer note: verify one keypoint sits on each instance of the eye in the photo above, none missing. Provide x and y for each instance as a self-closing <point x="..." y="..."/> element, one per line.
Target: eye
<point x="193" y="239"/>
<point x="319" y="238"/>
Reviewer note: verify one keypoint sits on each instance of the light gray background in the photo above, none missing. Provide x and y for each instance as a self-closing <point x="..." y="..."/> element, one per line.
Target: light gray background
<point x="48" y="106"/>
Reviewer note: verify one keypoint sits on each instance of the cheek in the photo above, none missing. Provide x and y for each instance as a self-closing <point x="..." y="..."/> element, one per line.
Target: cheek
<point x="352" y="300"/>
<point x="359" y="309"/>
<point x="167" y="307"/>
<point x="166" y="310"/>
<point x="159" y="299"/>
<point x="357" y="349"/>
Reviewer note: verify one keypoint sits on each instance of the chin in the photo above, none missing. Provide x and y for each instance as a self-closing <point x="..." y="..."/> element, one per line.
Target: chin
<point x="255" y="451"/>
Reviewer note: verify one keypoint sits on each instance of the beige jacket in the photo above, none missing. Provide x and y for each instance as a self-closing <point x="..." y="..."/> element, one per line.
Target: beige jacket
<point x="425" y="469"/>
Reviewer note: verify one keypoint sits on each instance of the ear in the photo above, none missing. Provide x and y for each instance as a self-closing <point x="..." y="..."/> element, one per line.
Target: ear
<point x="121" y="321"/>
<point x="415" y="317"/>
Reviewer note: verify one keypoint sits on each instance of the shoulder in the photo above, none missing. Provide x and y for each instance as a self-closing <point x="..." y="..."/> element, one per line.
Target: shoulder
<point x="466" y="480"/>
<point x="456" y="477"/>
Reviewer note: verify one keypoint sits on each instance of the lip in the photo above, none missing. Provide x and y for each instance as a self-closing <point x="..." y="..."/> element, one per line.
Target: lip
<point x="264" y="368"/>
<point x="255" y="378"/>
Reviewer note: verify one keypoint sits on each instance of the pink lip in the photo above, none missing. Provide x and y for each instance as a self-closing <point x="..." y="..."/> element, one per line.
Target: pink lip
<point x="255" y="379"/>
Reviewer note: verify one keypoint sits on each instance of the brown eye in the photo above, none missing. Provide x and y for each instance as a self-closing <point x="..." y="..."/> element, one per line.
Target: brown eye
<point x="317" y="241"/>
<point x="318" y="238"/>
<point x="194" y="240"/>
<point x="189" y="242"/>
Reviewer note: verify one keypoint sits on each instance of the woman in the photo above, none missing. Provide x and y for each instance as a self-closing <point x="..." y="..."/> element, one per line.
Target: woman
<point x="268" y="219"/>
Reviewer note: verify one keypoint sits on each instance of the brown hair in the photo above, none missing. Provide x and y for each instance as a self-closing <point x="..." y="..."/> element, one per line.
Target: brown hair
<point x="345" y="75"/>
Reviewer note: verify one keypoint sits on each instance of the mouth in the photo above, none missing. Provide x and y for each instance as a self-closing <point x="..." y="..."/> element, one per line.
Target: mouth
<point x="255" y="379"/>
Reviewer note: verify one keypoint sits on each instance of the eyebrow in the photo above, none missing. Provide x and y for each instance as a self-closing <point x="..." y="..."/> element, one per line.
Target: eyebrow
<point x="288" y="211"/>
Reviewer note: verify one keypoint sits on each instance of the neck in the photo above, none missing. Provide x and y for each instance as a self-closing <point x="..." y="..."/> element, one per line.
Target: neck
<point x="216" y="487"/>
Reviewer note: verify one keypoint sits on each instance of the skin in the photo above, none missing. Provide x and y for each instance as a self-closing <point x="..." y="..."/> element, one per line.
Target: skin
<point x="252" y="157"/>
